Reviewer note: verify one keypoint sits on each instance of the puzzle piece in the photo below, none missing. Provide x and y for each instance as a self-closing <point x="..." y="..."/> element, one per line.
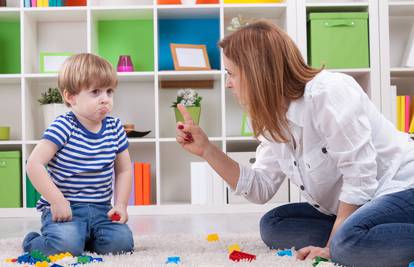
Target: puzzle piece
<point x="235" y="246"/>
<point x="212" y="237"/>
<point x="286" y="252"/>
<point x="238" y="255"/>
<point x="173" y="259"/>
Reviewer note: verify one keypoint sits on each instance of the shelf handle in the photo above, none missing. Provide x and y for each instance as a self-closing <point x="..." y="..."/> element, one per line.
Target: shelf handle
<point x="340" y="23"/>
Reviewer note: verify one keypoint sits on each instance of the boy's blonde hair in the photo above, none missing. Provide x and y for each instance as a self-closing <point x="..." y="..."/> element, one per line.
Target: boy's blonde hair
<point x="85" y="71"/>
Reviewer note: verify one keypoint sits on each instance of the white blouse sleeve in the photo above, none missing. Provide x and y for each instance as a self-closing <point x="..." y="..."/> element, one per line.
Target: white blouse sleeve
<point x="338" y="105"/>
<point x="260" y="182"/>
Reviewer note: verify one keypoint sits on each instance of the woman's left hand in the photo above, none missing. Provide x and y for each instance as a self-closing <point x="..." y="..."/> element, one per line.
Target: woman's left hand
<point x="121" y="211"/>
<point x="310" y="252"/>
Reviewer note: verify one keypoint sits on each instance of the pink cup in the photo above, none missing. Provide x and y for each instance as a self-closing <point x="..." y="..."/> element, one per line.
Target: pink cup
<point x="125" y="64"/>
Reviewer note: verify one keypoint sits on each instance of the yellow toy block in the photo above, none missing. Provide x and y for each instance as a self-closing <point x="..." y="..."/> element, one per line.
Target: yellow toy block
<point x="42" y="264"/>
<point x="212" y="237"/>
<point x="233" y="247"/>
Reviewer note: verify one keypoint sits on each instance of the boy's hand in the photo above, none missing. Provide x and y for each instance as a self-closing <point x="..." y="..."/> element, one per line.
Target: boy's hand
<point x="121" y="211"/>
<point x="61" y="211"/>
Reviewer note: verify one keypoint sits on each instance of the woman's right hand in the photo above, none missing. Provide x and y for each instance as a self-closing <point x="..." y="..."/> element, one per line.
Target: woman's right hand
<point x="61" y="211"/>
<point x="190" y="136"/>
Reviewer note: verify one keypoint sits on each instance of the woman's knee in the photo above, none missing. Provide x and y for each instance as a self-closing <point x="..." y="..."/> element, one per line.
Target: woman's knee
<point x="268" y="227"/>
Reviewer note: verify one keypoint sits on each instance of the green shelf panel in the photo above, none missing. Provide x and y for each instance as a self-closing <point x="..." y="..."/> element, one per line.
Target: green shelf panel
<point x="127" y="37"/>
<point x="10" y="47"/>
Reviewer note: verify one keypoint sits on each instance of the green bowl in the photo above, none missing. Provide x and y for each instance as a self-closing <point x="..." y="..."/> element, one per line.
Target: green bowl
<point x="4" y="133"/>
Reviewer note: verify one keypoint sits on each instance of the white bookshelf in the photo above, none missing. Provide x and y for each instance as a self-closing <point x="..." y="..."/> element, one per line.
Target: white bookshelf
<point x="139" y="99"/>
<point x="397" y="18"/>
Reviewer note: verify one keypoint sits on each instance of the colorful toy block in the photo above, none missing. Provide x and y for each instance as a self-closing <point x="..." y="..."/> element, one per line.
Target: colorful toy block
<point x="115" y="217"/>
<point x="318" y="260"/>
<point x="212" y="237"/>
<point x="238" y="256"/>
<point x="173" y="259"/>
<point x="56" y="265"/>
<point x="42" y="264"/>
<point x="286" y="252"/>
<point x="233" y="247"/>
<point x="411" y="264"/>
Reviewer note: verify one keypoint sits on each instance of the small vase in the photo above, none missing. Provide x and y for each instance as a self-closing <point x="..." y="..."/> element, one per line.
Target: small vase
<point x="125" y="64"/>
<point x="4" y="133"/>
<point x="194" y="113"/>
<point x="51" y="111"/>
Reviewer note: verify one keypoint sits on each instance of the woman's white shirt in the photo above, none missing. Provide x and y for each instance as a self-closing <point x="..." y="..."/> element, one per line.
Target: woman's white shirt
<point x="345" y="149"/>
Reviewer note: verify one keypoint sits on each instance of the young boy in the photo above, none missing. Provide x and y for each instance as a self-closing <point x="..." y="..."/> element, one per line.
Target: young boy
<point x="81" y="150"/>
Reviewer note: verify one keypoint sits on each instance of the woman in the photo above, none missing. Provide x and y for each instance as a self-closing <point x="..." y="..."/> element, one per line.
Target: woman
<point x="320" y="130"/>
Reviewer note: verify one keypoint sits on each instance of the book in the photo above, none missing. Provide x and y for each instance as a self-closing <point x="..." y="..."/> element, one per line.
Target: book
<point x="146" y="184"/>
<point x="27" y="3"/>
<point x="139" y="198"/>
<point x="34" y="3"/>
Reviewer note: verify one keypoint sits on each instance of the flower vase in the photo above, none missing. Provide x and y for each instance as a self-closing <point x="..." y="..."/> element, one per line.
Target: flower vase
<point x="193" y="111"/>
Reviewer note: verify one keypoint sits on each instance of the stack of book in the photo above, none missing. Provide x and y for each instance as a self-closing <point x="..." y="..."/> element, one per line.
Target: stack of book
<point x="141" y="189"/>
<point x="53" y="3"/>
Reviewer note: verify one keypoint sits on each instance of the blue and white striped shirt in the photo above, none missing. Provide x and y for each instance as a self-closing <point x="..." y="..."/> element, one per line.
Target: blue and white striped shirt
<point x="83" y="166"/>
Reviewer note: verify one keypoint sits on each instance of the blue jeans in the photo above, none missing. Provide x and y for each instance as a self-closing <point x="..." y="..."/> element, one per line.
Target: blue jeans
<point x="90" y="229"/>
<point x="380" y="233"/>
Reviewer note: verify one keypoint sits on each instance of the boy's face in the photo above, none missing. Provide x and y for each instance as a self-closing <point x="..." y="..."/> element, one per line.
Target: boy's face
<point x="92" y="104"/>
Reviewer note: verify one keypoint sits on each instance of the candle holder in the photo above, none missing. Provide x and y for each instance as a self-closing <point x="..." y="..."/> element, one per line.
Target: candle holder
<point x="125" y="64"/>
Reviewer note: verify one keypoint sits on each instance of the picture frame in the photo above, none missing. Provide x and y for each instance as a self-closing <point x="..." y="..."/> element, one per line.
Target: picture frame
<point x="52" y="62"/>
<point x="246" y="129"/>
<point x="190" y="57"/>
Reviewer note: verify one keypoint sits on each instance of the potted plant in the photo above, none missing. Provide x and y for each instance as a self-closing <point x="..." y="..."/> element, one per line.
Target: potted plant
<point x="52" y="105"/>
<point x="191" y="100"/>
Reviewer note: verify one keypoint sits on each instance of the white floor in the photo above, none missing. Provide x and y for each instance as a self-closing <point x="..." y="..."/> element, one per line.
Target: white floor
<point x="156" y="224"/>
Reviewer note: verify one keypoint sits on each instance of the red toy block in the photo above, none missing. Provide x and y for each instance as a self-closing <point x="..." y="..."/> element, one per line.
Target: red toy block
<point x="115" y="217"/>
<point x="238" y="255"/>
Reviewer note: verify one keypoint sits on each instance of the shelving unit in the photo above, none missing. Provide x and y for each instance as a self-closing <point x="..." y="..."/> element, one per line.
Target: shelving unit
<point x="110" y="28"/>
<point x="397" y="18"/>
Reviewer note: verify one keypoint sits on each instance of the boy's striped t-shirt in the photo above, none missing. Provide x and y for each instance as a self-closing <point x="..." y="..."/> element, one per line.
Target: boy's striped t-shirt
<point x="83" y="166"/>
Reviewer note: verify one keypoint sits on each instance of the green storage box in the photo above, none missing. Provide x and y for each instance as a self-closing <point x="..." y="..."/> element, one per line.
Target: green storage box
<point x="10" y="179"/>
<point x="338" y="40"/>
<point x="32" y="196"/>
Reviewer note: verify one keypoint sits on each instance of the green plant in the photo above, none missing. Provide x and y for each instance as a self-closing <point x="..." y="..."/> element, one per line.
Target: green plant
<point x="52" y="95"/>
<point x="187" y="97"/>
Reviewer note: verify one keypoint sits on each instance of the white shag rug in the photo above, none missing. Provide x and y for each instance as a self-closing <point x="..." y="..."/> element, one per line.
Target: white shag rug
<point x="194" y="250"/>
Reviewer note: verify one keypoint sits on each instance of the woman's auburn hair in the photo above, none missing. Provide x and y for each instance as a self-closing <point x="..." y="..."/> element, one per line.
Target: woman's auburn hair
<point x="272" y="74"/>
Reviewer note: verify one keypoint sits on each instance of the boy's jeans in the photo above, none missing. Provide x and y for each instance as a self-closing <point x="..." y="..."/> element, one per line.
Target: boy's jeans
<point x="380" y="233"/>
<point x="90" y="229"/>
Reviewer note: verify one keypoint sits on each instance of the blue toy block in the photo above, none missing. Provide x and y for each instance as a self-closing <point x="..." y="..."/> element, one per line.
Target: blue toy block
<point x="411" y="264"/>
<point x="97" y="260"/>
<point x="56" y="265"/>
<point x="286" y="252"/>
<point x="174" y="259"/>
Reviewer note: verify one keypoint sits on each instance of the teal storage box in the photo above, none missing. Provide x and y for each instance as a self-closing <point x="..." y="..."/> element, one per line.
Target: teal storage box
<point x="338" y="40"/>
<point x="10" y="179"/>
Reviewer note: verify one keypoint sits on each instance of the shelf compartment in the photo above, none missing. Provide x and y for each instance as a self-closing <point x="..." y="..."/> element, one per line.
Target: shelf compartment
<point x="10" y="110"/>
<point x="119" y="3"/>
<point x="140" y="96"/>
<point x="188" y="26"/>
<point x="145" y="152"/>
<point x="10" y="44"/>
<point x="210" y="118"/>
<point x="125" y="32"/>
<point x="175" y="176"/>
<point x="53" y="30"/>
<point x="402" y="72"/>
<point x="276" y="13"/>
<point x="399" y="31"/>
